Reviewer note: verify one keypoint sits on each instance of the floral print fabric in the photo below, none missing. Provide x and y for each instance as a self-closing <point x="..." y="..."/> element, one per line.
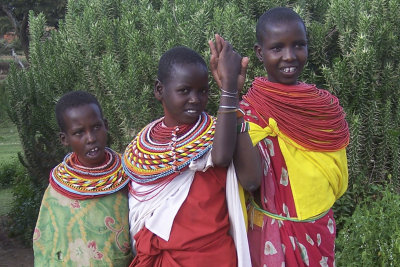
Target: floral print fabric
<point x="280" y="242"/>
<point x="93" y="232"/>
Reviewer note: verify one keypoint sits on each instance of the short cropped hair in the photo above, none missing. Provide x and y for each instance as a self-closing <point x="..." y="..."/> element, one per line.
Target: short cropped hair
<point x="72" y="100"/>
<point x="273" y="16"/>
<point x="177" y="55"/>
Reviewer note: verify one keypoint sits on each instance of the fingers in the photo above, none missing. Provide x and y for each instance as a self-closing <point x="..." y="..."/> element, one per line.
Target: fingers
<point x="244" y="64"/>
<point x="213" y="49"/>
<point x="226" y="63"/>
<point x="220" y="42"/>
<point x="214" y="61"/>
<point x="242" y="75"/>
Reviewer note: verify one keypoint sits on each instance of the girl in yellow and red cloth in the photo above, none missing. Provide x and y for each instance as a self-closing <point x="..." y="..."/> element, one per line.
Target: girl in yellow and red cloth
<point x="184" y="199"/>
<point x="83" y="218"/>
<point x="302" y="134"/>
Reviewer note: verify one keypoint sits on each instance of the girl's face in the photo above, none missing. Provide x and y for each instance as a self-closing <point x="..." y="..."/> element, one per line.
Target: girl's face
<point x="184" y="94"/>
<point x="86" y="134"/>
<point x="284" y="51"/>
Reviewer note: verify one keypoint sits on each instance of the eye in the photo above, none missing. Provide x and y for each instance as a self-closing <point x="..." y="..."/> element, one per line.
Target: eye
<point x="204" y="91"/>
<point x="300" y="45"/>
<point x="183" y="90"/>
<point x="276" y="49"/>
<point x="77" y="132"/>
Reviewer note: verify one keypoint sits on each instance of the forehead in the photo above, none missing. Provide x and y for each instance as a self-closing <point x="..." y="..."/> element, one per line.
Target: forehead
<point x="85" y="112"/>
<point x="293" y="29"/>
<point x="188" y="73"/>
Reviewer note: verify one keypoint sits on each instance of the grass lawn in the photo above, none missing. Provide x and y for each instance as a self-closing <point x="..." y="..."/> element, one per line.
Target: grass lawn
<point x="9" y="142"/>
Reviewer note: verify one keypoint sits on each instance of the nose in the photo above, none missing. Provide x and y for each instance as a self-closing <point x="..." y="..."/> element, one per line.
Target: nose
<point x="194" y="98"/>
<point x="91" y="137"/>
<point x="288" y="54"/>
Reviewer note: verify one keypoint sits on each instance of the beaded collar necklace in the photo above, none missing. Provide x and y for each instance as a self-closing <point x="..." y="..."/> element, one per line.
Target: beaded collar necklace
<point x="148" y="161"/>
<point x="310" y="116"/>
<point x="78" y="182"/>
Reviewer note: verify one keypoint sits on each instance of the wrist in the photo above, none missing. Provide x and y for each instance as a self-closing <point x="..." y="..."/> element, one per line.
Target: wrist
<point x="230" y="87"/>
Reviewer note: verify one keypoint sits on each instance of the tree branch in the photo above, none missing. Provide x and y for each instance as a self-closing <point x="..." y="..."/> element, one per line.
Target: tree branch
<point x="10" y="16"/>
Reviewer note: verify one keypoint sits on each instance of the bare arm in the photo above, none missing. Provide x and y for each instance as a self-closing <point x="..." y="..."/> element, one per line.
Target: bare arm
<point x="229" y="71"/>
<point x="247" y="160"/>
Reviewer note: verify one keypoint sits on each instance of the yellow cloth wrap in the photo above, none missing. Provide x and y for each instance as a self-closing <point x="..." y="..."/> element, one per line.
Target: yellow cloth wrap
<point x="326" y="172"/>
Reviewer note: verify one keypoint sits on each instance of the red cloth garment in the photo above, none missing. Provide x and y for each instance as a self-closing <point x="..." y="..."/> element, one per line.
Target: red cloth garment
<point x="281" y="242"/>
<point x="200" y="233"/>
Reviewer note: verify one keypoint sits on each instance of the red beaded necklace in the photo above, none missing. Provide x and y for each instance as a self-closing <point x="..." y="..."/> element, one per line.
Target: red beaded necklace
<point x="162" y="133"/>
<point x="310" y="116"/>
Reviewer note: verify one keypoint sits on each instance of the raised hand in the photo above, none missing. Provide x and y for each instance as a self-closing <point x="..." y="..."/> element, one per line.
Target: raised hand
<point x="223" y="62"/>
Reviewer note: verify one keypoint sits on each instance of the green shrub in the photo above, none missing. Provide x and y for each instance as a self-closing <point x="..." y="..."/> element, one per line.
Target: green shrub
<point x="25" y="209"/>
<point x="365" y="76"/>
<point x="9" y="171"/>
<point x="371" y="237"/>
<point x="26" y="203"/>
<point x="3" y="103"/>
<point x="5" y="25"/>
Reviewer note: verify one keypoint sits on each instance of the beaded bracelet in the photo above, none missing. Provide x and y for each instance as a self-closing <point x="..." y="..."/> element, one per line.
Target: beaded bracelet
<point x="243" y="127"/>
<point x="226" y="111"/>
<point x="229" y="93"/>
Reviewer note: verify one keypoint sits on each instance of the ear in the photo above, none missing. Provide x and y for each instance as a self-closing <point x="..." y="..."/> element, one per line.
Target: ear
<point x="258" y="51"/>
<point x="63" y="138"/>
<point x="158" y="90"/>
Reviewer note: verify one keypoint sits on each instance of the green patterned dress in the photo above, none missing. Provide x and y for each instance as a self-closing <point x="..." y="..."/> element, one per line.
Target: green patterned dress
<point x="71" y="231"/>
<point x="93" y="232"/>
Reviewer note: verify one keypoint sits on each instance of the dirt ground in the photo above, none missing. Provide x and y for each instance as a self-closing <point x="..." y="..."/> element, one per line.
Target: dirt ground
<point x="12" y="252"/>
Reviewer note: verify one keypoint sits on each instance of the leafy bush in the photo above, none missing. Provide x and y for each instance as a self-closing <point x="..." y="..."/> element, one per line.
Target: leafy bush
<point x="371" y="237"/>
<point x="25" y="209"/>
<point x="27" y="197"/>
<point x="365" y="76"/>
<point x="3" y="103"/>
<point x="10" y="171"/>
<point x="5" y="25"/>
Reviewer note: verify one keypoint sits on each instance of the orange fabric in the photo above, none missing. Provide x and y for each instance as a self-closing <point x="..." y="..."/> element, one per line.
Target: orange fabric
<point x="200" y="234"/>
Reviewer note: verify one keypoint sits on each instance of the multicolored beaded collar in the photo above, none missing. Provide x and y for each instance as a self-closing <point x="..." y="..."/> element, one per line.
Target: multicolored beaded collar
<point x="79" y="182"/>
<point x="146" y="160"/>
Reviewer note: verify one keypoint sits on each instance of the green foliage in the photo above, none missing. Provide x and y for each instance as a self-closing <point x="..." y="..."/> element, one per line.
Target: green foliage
<point x="53" y="9"/>
<point x="365" y="76"/>
<point x="25" y="209"/>
<point x="5" y="25"/>
<point x="371" y="237"/>
<point x="3" y="103"/>
<point x="8" y="171"/>
<point x="22" y="202"/>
